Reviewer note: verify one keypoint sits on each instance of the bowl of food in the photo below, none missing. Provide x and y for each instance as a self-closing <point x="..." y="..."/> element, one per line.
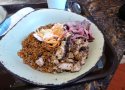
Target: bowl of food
<point x="3" y="14"/>
<point x="50" y="47"/>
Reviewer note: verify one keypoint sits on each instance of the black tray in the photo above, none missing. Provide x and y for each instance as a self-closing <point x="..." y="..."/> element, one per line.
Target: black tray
<point x="109" y="59"/>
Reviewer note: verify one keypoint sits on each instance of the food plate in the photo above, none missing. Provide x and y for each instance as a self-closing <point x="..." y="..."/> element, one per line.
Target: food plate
<point x="11" y="44"/>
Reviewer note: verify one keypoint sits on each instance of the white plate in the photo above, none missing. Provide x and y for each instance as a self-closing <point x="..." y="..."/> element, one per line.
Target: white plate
<point x="11" y="44"/>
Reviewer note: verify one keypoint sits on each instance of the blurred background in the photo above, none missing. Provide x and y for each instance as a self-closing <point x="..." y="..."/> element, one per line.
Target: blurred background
<point x="3" y="2"/>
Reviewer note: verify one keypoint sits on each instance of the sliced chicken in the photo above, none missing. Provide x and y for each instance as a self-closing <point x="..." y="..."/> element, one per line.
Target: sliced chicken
<point x="83" y="60"/>
<point x="78" y="41"/>
<point x="69" y="60"/>
<point x="76" y="67"/>
<point x="40" y="62"/>
<point x="60" y="53"/>
<point x="78" y="56"/>
<point x="56" y="62"/>
<point x="70" y="55"/>
<point x="65" y="66"/>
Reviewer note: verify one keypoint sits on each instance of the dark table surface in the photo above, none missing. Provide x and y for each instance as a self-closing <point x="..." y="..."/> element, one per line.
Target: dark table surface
<point x="105" y="14"/>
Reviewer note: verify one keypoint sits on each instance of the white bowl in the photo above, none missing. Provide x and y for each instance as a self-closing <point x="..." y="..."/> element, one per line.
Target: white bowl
<point x="3" y="14"/>
<point x="11" y="44"/>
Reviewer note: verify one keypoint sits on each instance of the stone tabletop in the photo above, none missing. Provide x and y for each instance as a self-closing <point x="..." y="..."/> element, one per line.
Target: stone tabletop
<point x="105" y="13"/>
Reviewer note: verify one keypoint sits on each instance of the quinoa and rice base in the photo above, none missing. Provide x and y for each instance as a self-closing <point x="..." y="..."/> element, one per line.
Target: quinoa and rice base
<point x="56" y="48"/>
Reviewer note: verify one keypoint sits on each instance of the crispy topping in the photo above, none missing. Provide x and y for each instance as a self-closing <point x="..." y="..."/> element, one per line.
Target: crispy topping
<point x="51" y="36"/>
